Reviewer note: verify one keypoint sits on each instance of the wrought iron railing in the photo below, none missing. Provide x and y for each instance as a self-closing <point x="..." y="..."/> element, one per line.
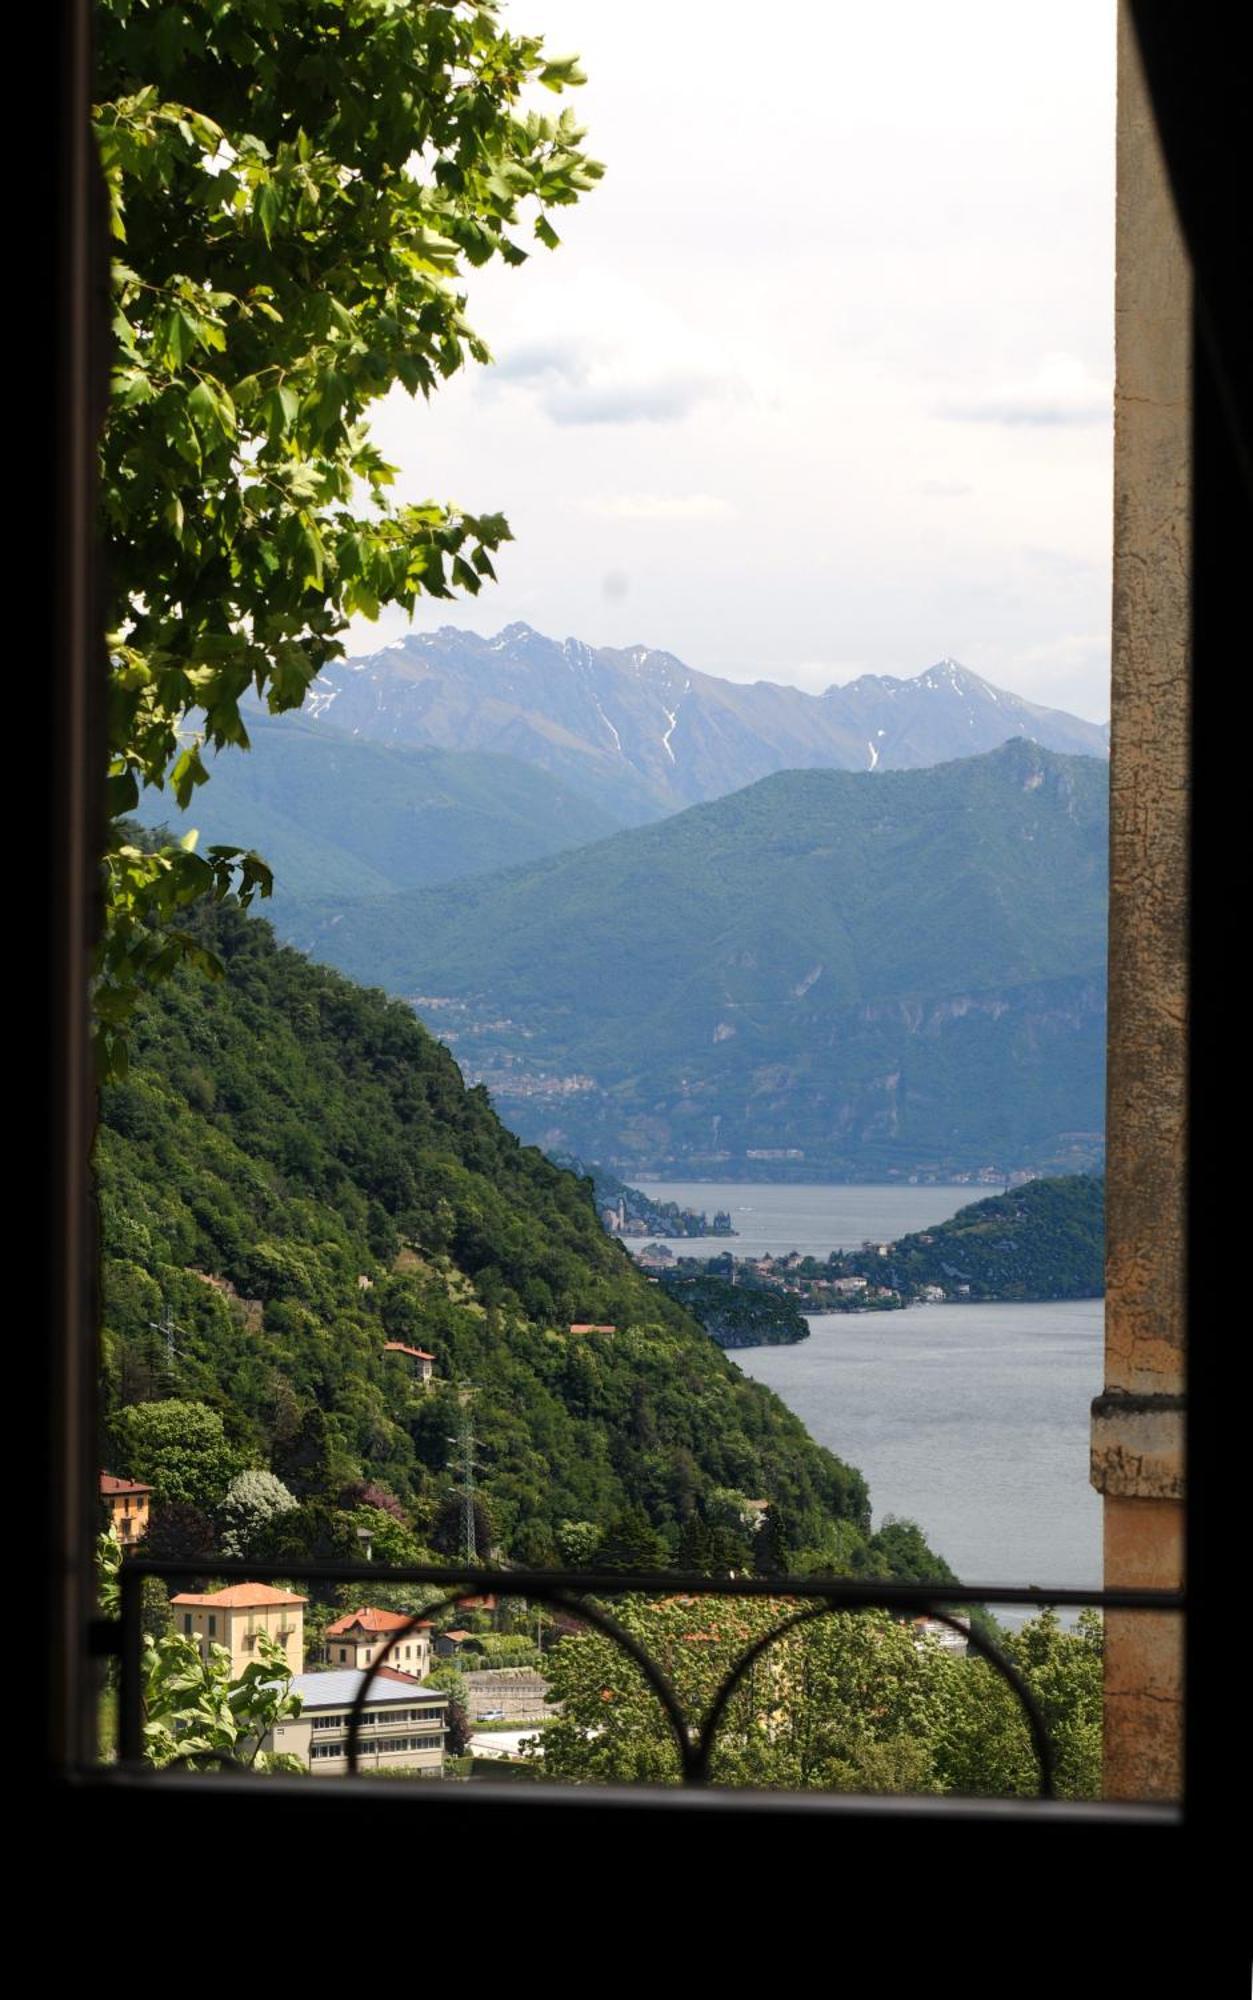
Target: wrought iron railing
<point x="580" y="1594"/>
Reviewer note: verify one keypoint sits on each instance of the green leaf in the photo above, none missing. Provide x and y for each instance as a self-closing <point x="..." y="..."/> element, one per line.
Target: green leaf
<point x="267" y="208"/>
<point x="188" y="772"/>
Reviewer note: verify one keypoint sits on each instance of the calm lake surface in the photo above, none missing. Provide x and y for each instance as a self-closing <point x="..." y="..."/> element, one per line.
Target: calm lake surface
<point x="971" y="1420"/>
<point x="813" y="1220"/>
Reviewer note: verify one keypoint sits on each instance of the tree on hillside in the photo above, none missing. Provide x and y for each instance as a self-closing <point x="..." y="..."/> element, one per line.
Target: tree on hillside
<point x="296" y="189"/>
<point x="180" y="1449"/>
<point x="631" y="1542"/>
<point x="852" y="1702"/>
<point x="252" y="1501"/>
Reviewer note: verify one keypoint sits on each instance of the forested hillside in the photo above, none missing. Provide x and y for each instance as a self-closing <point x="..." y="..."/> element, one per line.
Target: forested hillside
<point x="401" y="818"/>
<point x="292" y="1174"/>
<point x="830" y="974"/>
<point x="1044" y="1240"/>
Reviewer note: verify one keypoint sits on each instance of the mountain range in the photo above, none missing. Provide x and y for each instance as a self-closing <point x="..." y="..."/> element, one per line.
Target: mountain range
<point x="643" y="735"/>
<point x="824" y="974"/>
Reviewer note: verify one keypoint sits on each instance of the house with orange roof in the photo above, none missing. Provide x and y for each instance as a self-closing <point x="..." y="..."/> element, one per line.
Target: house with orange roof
<point x="449" y="1644"/>
<point x="128" y="1502"/>
<point x="359" y="1638"/>
<point x="423" y="1363"/>
<point x="237" y="1616"/>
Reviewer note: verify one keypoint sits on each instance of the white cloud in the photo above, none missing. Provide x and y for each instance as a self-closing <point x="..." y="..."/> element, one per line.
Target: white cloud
<point x="1068" y="671"/>
<point x="1060" y="391"/>
<point x="661" y="507"/>
<point x="869" y="313"/>
<point x="622" y="355"/>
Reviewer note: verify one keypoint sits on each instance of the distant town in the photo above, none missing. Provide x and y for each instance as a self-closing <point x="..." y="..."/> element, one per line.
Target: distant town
<point x="1041" y="1240"/>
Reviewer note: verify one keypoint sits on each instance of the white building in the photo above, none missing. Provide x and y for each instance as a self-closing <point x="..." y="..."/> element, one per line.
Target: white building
<point x="403" y="1724"/>
<point x="939" y="1634"/>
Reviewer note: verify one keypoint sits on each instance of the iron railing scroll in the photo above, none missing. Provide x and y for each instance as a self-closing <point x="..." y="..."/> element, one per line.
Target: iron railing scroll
<point x="581" y="1594"/>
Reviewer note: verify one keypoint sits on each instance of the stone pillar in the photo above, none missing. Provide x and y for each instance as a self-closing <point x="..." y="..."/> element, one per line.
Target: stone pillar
<point x="1137" y="1424"/>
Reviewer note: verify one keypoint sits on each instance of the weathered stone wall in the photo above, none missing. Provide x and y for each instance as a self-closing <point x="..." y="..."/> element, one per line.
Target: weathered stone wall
<point x="1137" y="1424"/>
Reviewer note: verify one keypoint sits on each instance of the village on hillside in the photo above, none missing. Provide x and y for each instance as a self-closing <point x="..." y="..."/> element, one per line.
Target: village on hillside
<point x="484" y="1719"/>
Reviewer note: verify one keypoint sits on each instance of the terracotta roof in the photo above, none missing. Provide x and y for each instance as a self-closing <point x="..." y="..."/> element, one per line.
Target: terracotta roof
<point x="589" y="1326"/>
<point x="398" y="1347"/>
<point x="477" y="1603"/>
<point x="370" y="1621"/>
<point x="458" y="1635"/>
<point x="240" y="1596"/>
<point x="108" y="1484"/>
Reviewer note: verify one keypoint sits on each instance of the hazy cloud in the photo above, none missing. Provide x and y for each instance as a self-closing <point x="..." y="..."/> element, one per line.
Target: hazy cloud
<point x="712" y="327"/>
<point x="657" y="402"/>
<point x="661" y="507"/>
<point x="540" y="360"/>
<point x="621" y="359"/>
<point x="577" y="383"/>
<point x="1060" y="392"/>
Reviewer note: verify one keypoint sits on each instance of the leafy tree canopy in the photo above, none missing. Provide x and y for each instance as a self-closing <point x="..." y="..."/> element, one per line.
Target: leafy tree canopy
<point x="853" y="1702"/>
<point x="343" y="1143"/>
<point x="179" y="1448"/>
<point x="252" y="1500"/>
<point x="296" y="188"/>
<point x="196" y="1714"/>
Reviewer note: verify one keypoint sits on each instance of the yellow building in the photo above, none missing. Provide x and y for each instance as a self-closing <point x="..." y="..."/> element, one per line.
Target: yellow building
<point x="358" y="1640"/>
<point x="236" y="1617"/>
<point x="128" y="1502"/>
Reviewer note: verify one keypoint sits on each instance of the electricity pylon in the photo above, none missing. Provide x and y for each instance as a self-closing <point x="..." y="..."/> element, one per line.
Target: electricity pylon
<point x="465" y="1442"/>
<point x="167" y="1326"/>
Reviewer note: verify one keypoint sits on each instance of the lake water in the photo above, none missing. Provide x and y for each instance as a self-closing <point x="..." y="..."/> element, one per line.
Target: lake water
<point x="813" y="1220"/>
<point x="972" y="1420"/>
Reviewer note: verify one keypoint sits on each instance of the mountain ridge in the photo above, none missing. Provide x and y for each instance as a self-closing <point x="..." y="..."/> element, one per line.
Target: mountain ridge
<point x="643" y="734"/>
<point x="337" y="815"/>
<point x="860" y="973"/>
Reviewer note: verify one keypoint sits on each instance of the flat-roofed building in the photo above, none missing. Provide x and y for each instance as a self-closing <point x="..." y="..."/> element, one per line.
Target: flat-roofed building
<point x="128" y="1502"/>
<point x="403" y="1724"/>
<point x="359" y="1638"/>
<point x="236" y="1618"/>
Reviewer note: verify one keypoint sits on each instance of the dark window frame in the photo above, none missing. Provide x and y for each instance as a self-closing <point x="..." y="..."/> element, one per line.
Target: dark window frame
<point x="1200" y="89"/>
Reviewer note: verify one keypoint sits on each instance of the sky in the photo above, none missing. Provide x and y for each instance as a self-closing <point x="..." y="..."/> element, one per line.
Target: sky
<point x="819" y="382"/>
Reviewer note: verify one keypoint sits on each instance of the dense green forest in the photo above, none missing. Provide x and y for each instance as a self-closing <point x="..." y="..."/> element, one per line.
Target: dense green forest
<point x="737" y="1315"/>
<point x="830" y="974"/>
<point x="292" y="1174"/>
<point x="1043" y="1240"/>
